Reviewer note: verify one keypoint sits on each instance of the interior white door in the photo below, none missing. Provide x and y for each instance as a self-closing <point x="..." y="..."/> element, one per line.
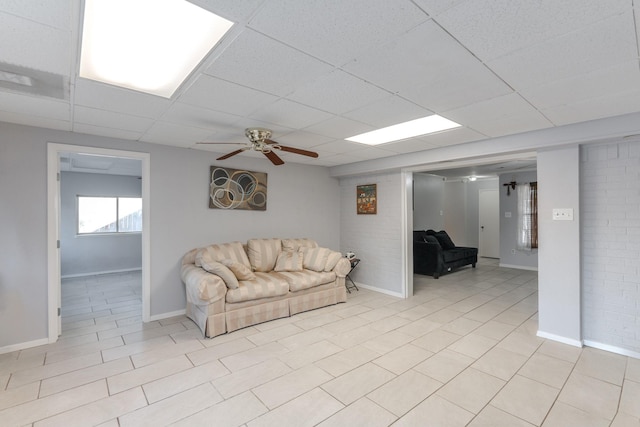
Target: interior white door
<point x="489" y="223"/>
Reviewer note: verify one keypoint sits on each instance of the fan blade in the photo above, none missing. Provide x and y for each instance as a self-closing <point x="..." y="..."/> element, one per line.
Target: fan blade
<point x="233" y="153"/>
<point x="297" y="151"/>
<point x="274" y="158"/>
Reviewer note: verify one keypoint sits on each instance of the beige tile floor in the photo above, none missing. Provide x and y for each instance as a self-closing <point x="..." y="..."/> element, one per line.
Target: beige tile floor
<point x="462" y="351"/>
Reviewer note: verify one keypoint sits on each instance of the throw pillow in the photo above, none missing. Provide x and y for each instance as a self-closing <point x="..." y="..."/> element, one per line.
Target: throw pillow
<point x="315" y="258"/>
<point x="431" y="239"/>
<point x="289" y="261"/>
<point x="241" y="271"/>
<point x="263" y="253"/>
<point x="332" y="260"/>
<point x="445" y="240"/>
<point x="219" y="270"/>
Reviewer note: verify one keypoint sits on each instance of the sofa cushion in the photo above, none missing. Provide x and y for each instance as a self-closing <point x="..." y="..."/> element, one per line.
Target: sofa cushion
<point x="263" y="253"/>
<point x="296" y="244"/>
<point x="233" y="251"/>
<point x="240" y="271"/>
<point x="219" y="269"/>
<point x="299" y="280"/>
<point x="332" y="260"/>
<point x="315" y="259"/>
<point x="445" y="240"/>
<point x="289" y="261"/>
<point x="431" y="239"/>
<point x="265" y="285"/>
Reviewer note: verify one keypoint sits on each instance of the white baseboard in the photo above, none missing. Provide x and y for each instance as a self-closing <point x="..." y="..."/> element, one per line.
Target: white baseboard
<point x="612" y="349"/>
<point x="564" y="340"/>
<point x="97" y="273"/>
<point x="167" y="315"/>
<point x="21" y="346"/>
<point x="518" y="267"/>
<point x="382" y="291"/>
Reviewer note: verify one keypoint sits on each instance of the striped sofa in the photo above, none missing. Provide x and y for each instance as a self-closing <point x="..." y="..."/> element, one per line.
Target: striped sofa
<point x="230" y="286"/>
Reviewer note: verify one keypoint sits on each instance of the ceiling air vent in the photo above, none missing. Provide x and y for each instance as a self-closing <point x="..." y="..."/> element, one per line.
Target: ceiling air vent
<point x="35" y="82"/>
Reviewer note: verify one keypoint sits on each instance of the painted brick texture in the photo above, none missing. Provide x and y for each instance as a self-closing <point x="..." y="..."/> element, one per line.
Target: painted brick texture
<point x="610" y="215"/>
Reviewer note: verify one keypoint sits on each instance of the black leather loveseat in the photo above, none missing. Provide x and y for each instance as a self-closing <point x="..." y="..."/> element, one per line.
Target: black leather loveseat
<point x="435" y="253"/>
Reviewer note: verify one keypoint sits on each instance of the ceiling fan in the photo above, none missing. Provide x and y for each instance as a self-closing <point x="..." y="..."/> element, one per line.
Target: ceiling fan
<point x="259" y="141"/>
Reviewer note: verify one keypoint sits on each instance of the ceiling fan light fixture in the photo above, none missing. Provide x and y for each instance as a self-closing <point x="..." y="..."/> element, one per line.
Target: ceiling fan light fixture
<point x="410" y="129"/>
<point x="146" y="45"/>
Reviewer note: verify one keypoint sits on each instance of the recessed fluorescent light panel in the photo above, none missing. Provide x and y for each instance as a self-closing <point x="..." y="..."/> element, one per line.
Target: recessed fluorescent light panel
<point x="146" y="45"/>
<point x="417" y="127"/>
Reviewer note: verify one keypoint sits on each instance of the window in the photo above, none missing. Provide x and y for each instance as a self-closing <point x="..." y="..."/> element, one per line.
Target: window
<point x="527" y="216"/>
<point x="97" y="215"/>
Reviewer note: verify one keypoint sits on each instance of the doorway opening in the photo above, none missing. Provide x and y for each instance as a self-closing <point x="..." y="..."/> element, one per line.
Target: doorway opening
<point x="110" y="256"/>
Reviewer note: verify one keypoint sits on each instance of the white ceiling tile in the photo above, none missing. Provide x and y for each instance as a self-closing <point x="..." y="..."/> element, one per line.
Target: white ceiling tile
<point x="623" y="77"/>
<point x="28" y="120"/>
<point x="388" y="111"/>
<point x="339" y="147"/>
<point x="492" y="28"/>
<point x="54" y="13"/>
<point x="611" y="41"/>
<point x="452" y="137"/>
<point x="111" y="98"/>
<point x="335" y="30"/>
<point x="236" y="10"/>
<point x="264" y="64"/>
<point x="514" y="123"/>
<point x="109" y="119"/>
<point x="48" y="108"/>
<point x="215" y="94"/>
<point x="408" y="146"/>
<point x="105" y="131"/>
<point x="337" y="93"/>
<point x="189" y="115"/>
<point x="436" y="7"/>
<point x="497" y="109"/>
<point x="290" y="114"/>
<point x="339" y="128"/>
<point x="20" y="36"/>
<point x="304" y="140"/>
<point x="595" y="108"/>
<point x="175" y="134"/>
<point x="430" y="68"/>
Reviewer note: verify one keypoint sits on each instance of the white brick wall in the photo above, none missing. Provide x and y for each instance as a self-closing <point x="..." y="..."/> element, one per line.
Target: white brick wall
<point x="610" y="215"/>
<point x="376" y="239"/>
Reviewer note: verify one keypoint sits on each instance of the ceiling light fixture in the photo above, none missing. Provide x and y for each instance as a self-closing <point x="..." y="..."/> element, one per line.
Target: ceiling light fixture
<point x="146" y="45"/>
<point x="417" y="127"/>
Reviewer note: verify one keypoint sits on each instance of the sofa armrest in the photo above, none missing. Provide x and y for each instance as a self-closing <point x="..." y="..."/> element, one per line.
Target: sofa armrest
<point x="202" y="287"/>
<point x="342" y="267"/>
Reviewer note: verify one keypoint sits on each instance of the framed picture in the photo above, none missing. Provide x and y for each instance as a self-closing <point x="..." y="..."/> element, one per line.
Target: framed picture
<point x="237" y="189"/>
<point x="366" y="199"/>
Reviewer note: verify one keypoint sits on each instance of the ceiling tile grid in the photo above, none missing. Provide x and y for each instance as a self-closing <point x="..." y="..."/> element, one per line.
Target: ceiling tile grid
<point x="317" y="72"/>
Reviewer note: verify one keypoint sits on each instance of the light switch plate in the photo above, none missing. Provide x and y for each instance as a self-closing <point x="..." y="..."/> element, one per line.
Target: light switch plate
<point x="507" y="214"/>
<point x="564" y="214"/>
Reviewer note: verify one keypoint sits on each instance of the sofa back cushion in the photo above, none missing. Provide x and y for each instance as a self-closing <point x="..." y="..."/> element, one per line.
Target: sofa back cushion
<point x="263" y="253"/>
<point x="315" y="258"/>
<point x="432" y="239"/>
<point x="220" y="252"/>
<point x="296" y="244"/>
<point x="445" y="240"/>
<point x="289" y="261"/>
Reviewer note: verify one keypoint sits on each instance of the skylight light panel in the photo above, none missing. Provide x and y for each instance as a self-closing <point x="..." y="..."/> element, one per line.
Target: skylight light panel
<point x="146" y="45"/>
<point x="410" y="129"/>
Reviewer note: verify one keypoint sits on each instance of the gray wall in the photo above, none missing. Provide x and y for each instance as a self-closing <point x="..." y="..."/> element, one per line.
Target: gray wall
<point x="509" y="255"/>
<point x="610" y="197"/>
<point x="303" y="200"/>
<point x="92" y="254"/>
<point x="376" y="239"/>
<point x="428" y="202"/>
<point x="457" y="200"/>
<point x="559" y="245"/>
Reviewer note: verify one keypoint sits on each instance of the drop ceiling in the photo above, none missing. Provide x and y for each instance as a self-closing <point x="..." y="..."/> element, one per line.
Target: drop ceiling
<point x="316" y="72"/>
